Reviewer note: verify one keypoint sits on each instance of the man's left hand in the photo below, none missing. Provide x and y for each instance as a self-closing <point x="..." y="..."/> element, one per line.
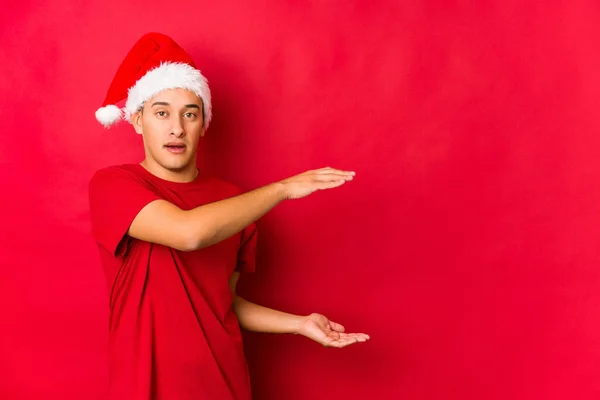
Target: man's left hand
<point x="328" y="333"/>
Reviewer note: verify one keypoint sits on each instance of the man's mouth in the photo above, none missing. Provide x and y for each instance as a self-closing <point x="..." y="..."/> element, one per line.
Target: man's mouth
<point x="176" y="148"/>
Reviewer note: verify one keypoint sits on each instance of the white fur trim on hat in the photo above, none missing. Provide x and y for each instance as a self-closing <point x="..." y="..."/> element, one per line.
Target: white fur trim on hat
<point x="169" y="76"/>
<point x="109" y="115"/>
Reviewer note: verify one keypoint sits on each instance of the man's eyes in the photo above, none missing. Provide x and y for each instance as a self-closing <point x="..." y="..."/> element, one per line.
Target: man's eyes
<point x="188" y="115"/>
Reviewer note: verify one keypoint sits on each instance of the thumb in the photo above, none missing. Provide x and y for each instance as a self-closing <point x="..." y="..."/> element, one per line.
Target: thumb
<point x="337" y="327"/>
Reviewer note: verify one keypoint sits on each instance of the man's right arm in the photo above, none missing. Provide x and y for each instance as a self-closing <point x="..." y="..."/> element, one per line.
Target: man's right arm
<point x="163" y="223"/>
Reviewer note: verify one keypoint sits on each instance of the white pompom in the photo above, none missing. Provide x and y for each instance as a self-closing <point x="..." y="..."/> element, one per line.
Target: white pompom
<point x="109" y="115"/>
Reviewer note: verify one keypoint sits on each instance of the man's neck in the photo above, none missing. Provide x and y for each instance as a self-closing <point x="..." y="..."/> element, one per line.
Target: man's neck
<point x="187" y="174"/>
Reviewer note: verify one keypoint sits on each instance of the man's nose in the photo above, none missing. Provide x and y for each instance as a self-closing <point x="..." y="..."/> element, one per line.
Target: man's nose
<point x="177" y="128"/>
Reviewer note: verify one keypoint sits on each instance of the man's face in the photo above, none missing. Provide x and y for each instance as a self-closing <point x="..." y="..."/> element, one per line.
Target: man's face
<point x="171" y="123"/>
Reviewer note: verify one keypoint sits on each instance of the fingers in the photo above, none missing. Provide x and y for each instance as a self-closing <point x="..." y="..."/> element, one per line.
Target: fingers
<point x="342" y="343"/>
<point x="329" y="185"/>
<point x="329" y="170"/>
<point x="330" y="181"/>
<point x="330" y="177"/>
<point x="346" y="339"/>
<point x="355" y="337"/>
<point x="302" y="185"/>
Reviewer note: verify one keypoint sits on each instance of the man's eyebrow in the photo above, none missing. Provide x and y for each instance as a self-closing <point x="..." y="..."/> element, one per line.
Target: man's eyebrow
<point x="164" y="103"/>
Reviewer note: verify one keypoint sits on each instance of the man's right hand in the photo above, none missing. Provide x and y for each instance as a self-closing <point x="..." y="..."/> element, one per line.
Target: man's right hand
<point x="302" y="185"/>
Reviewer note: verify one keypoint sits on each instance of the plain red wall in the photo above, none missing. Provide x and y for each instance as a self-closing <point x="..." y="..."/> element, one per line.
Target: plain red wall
<point x="467" y="247"/>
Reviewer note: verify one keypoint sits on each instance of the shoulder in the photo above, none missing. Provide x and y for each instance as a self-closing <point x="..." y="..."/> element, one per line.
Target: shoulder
<point x="115" y="171"/>
<point x="114" y="175"/>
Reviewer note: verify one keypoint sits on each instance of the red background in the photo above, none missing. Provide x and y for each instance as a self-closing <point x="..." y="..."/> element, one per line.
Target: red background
<point x="466" y="247"/>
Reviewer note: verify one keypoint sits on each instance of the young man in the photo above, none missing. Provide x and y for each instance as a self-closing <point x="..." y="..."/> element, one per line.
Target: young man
<point x="173" y="241"/>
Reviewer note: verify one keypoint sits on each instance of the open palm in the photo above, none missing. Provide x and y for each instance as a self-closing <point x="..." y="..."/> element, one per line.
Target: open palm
<point x="328" y="333"/>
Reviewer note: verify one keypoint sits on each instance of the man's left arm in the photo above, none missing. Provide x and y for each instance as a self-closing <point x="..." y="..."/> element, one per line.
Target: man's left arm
<point x="256" y="318"/>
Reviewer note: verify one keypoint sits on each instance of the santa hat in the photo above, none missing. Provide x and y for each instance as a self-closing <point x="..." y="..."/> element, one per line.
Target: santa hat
<point x="155" y="63"/>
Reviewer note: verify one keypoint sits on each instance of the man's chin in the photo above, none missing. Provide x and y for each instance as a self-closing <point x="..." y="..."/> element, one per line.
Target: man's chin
<point x="176" y="167"/>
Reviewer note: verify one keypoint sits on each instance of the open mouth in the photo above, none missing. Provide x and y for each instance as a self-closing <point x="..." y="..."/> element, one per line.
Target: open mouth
<point x="175" y="147"/>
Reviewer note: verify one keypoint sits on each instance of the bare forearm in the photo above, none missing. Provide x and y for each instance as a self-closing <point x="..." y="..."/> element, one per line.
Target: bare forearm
<point x="164" y="223"/>
<point x="217" y="221"/>
<point x="256" y="318"/>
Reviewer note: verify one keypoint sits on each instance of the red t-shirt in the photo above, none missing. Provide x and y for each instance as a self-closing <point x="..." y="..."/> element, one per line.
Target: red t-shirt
<point x="173" y="332"/>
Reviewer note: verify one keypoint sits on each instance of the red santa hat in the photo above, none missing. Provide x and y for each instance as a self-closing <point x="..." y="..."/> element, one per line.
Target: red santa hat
<point x="155" y="63"/>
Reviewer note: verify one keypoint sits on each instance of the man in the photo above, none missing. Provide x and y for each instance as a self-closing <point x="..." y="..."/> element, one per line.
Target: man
<point x="173" y="241"/>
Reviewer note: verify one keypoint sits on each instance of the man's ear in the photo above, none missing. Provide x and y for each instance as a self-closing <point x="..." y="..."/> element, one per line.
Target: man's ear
<point x="136" y="121"/>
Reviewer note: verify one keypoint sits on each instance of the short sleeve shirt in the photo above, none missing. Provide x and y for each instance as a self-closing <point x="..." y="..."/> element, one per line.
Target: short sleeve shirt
<point x="172" y="330"/>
